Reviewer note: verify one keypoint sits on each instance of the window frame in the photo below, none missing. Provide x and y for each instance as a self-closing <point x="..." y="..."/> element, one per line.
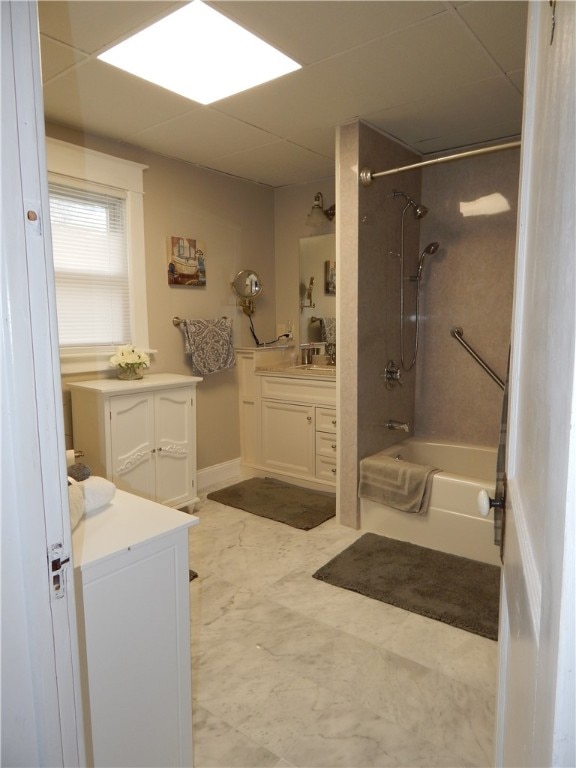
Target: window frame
<point x="86" y="168"/>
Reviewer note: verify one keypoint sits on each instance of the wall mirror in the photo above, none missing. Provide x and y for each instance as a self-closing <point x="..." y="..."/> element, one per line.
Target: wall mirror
<point x="317" y="278"/>
<point x="246" y="285"/>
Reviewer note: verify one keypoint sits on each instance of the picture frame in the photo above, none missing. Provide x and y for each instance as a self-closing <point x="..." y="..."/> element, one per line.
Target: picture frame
<point x="186" y="257"/>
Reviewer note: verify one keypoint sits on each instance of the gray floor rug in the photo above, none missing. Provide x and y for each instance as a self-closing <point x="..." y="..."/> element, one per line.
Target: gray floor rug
<point x="455" y="590"/>
<point x="299" y="507"/>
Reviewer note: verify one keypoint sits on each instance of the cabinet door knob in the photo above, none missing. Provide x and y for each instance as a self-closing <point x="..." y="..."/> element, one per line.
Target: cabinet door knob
<point x="333" y="446"/>
<point x="333" y="471"/>
<point x="334" y="422"/>
<point x="308" y="418"/>
<point x="153" y="450"/>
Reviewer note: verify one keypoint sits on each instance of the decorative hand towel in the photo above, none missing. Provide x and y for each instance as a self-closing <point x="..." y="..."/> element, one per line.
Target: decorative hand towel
<point x="209" y="344"/>
<point x="397" y="483"/>
<point x="328" y="329"/>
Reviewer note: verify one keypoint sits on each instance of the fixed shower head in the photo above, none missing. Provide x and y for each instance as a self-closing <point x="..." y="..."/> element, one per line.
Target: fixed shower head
<point x="419" y="210"/>
<point x="430" y="250"/>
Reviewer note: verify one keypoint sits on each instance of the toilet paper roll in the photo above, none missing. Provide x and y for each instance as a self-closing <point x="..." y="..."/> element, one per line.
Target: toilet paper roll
<point x="70" y="458"/>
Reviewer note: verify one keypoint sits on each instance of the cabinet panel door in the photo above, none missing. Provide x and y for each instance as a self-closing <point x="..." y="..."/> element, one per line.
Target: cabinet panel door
<point x="131" y="443"/>
<point x="288" y="437"/>
<point x="137" y="626"/>
<point x="175" y="446"/>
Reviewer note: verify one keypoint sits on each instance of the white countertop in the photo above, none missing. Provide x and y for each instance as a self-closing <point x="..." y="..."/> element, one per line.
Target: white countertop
<point x="128" y="521"/>
<point x="148" y="381"/>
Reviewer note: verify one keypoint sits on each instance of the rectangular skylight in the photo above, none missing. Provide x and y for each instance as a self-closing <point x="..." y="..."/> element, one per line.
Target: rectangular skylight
<point x="200" y="54"/>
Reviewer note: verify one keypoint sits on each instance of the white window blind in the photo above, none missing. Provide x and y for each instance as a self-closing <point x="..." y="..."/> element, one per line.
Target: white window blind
<point x="89" y="240"/>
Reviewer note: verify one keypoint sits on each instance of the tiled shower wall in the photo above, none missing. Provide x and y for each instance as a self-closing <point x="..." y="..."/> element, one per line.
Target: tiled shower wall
<point x="468" y="283"/>
<point x="368" y="271"/>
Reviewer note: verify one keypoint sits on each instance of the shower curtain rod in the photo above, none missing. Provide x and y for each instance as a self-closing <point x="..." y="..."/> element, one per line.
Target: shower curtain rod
<point x="367" y="176"/>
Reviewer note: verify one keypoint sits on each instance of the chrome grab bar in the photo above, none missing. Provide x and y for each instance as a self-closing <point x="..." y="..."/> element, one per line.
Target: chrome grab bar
<point x="458" y="334"/>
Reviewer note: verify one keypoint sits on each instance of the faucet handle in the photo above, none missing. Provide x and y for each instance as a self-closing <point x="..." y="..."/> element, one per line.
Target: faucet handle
<point x="392" y="375"/>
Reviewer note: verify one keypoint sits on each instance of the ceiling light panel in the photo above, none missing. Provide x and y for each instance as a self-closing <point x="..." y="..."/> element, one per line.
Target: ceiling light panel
<point x="200" y="54"/>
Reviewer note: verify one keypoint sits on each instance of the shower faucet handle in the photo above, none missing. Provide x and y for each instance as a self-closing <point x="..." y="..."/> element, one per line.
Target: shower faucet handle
<point x="392" y="375"/>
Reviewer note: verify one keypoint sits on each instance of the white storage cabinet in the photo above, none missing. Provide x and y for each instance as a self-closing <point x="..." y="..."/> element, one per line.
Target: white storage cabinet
<point x="131" y="578"/>
<point x="140" y="434"/>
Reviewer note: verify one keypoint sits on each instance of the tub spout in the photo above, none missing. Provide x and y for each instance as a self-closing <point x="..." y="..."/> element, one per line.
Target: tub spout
<point x="397" y="425"/>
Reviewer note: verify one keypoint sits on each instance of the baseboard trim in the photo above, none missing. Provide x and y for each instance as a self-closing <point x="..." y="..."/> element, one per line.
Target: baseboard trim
<point x="218" y="473"/>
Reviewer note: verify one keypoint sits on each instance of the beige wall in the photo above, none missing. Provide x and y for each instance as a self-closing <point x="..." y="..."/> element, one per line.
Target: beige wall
<point x="235" y="219"/>
<point x="468" y="283"/>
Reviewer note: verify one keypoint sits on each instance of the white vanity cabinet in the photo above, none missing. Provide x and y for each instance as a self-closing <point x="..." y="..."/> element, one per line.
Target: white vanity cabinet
<point x="299" y="427"/>
<point x="248" y="361"/>
<point x="140" y="434"/>
<point x="287" y="418"/>
<point x="131" y="575"/>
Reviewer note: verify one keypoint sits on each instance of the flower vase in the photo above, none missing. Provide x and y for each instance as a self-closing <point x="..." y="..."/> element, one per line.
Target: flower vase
<point x="130" y="372"/>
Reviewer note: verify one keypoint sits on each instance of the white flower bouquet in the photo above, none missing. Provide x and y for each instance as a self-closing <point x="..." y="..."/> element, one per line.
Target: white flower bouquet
<point x="129" y="361"/>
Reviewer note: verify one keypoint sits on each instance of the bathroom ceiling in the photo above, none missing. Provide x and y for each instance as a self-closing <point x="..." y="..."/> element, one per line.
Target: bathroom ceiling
<point x="434" y="75"/>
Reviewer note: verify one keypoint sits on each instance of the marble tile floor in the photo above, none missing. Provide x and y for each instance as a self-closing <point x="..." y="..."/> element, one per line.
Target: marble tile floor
<point x="290" y="671"/>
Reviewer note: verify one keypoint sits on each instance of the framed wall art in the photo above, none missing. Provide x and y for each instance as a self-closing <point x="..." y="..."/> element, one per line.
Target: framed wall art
<point x="186" y="261"/>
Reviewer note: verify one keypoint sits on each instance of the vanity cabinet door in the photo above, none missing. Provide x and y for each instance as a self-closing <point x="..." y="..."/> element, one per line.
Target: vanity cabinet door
<point x="175" y="446"/>
<point x="288" y="437"/>
<point x="132" y="443"/>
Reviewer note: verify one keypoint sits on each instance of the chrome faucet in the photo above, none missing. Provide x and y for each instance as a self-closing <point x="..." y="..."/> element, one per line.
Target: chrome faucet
<point x="397" y="425"/>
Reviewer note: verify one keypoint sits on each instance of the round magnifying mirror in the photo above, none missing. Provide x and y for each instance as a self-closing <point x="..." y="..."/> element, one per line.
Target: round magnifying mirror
<point x="246" y="284"/>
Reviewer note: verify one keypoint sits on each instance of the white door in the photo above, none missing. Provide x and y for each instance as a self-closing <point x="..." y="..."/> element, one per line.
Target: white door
<point x="536" y="696"/>
<point x="41" y="702"/>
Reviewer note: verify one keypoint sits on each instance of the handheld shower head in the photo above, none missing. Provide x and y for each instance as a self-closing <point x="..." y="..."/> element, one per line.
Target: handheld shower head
<point x="430" y="250"/>
<point x="419" y="210"/>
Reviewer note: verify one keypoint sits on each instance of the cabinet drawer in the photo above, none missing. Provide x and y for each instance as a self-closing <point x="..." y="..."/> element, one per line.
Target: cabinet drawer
<point x="326" y="419"/>
<point x="325" y="444"/>
<point x="326" y="468"/>
<point x="299" y="390"/>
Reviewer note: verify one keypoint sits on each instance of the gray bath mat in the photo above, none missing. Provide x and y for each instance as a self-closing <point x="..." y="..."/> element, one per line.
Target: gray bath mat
<point x="455" y="590"/>
<point x="283" y="502"/>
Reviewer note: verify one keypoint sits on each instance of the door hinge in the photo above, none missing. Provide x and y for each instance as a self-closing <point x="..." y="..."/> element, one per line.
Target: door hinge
<point x="57" y="561"/>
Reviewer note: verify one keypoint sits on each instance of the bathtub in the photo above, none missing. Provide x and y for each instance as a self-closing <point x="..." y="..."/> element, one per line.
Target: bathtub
<point x="452" y="523"/>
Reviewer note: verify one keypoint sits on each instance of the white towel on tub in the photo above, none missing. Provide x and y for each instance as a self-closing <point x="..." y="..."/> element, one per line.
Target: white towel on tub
<point x="396" y="483"/>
